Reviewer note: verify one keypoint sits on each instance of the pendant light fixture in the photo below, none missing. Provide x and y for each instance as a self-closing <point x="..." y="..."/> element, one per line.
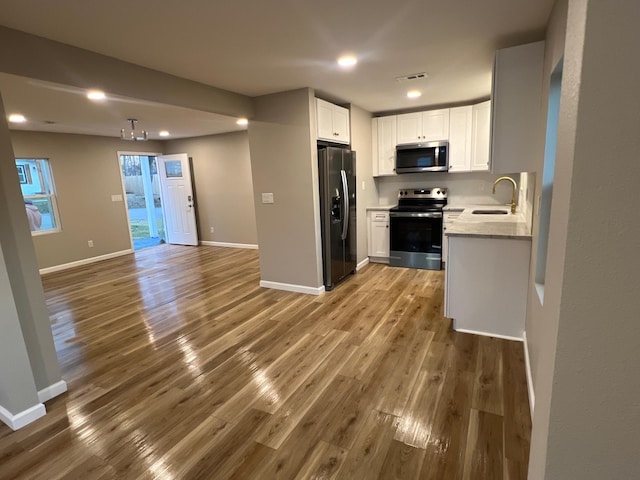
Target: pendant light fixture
<point x="133" y="134"/>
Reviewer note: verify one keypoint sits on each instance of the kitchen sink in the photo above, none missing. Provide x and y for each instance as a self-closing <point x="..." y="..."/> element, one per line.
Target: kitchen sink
<point x="490" y="212"/>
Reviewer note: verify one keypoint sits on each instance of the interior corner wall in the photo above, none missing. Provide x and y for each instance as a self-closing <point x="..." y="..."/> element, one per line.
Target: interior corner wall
<point x="284" y="162"/>
<point x="541" y="331"/>
<point x="366" y="192"/>
<point x="587" y="408"/>
<point x="86" y="173"/>
<point x="223" y="186"/>
<point x="22" y="269"/>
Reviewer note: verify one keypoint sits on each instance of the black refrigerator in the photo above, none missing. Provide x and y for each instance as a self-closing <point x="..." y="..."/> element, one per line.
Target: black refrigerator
<point x="337" y="172"/>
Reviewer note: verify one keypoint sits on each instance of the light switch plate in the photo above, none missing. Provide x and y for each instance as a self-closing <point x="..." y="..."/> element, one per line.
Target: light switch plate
<point x="116" y="198"/>
<point x="267" y="198"/>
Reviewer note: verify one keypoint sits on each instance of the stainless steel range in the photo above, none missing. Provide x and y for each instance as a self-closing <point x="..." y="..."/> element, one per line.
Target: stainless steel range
<point x="416" y="228"/>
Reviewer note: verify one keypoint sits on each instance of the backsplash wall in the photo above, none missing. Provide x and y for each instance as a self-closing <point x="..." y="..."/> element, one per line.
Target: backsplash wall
<point x="463" y="188"/>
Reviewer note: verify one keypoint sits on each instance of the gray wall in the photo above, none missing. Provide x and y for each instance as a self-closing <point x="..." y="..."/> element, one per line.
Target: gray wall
<point x="86" y="172"/>
<point x="587" y="418"/>
<point x="22" y="270"/>
<point x="284" y="162"/>
<point x="224" y="189"/>
<point x="17" y="387"/>
<point x="367" y="193"/>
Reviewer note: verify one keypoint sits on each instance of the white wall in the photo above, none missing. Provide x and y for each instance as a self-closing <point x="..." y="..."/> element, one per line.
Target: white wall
<point x="464" y="188"/>
<point x="587" y="415"/>
<point x="365" y="186"/>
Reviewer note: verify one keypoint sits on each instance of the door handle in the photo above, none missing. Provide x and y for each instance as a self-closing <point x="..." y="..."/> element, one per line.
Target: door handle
<point x="345" y="216"/>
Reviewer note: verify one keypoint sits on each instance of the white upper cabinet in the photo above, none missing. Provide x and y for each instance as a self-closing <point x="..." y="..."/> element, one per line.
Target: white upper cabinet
<point x="423" y="126"/>
<point x="460" y="139"/>
<point x="332" y="122"/>
<point x="481" y="136"/>
<point x="384" y="148"/>
<point x="517" y="127"/>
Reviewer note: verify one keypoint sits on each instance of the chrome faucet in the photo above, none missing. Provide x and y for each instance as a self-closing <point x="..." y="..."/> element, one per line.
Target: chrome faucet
<point x="513" y="196"/>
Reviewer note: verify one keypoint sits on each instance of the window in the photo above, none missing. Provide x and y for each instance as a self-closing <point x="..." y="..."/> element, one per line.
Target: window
<point x="548" y="173"/>
<point x="39" y="194"/>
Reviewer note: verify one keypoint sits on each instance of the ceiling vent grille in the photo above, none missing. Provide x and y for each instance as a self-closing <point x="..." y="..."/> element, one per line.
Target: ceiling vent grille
<point x="412" y="76"/>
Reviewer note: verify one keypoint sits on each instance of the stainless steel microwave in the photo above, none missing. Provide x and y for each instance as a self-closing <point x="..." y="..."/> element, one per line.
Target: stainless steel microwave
<point x="422" y="157"/>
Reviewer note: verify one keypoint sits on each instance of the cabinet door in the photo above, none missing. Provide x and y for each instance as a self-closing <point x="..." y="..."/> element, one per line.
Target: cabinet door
<point x="435" y="125"/>
<point x="460" y="130"/>
<point x="379" y="246"/>
<point x="324" y="120"/>
<point x="517" y="123"/>
<point x="387" y="140"/>
<point x="340" y="124"/>
<point x="409" y="128"/>
<point x="481" y="136"/>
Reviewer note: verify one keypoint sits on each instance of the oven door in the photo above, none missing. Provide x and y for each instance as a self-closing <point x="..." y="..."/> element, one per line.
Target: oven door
<point x="416" y="240"/>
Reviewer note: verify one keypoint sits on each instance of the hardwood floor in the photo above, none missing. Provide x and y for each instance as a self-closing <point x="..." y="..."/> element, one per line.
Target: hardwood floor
<point x="180" y="366"/>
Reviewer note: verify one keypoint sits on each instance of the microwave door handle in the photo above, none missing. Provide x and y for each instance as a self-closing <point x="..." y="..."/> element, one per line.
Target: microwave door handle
<point x="345" y="214"/>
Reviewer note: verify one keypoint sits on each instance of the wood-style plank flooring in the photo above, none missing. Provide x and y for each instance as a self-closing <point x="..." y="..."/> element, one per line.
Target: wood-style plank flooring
<point x="180" y="366"/>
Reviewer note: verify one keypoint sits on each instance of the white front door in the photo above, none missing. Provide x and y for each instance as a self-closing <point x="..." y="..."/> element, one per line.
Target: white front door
<point x="177" y="197"/>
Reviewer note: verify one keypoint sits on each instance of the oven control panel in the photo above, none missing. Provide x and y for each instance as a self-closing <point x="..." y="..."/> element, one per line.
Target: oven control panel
<point x="434" y="192"/>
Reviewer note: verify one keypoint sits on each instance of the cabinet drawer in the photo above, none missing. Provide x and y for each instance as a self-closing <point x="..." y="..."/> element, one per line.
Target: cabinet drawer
<point x="379" y="216"/>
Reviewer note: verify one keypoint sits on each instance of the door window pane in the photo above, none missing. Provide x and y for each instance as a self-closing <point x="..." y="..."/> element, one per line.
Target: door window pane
<point x="173" y="168"/>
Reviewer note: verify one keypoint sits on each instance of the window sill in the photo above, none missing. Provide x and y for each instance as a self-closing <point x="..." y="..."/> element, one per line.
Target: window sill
<point x="39" y="233"/>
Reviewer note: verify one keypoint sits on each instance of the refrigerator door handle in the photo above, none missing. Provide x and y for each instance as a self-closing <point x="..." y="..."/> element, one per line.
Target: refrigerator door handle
<point x="345" y="214"/>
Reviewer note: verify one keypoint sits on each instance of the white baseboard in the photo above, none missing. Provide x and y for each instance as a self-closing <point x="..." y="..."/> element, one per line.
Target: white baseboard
<point x="52" y="391"/>
<point x="250" y="246"/>
<point x="85" y="261"/>
<point x="293" y="288"/>
<point x="362" y="264"/>
<point x="23" y="418"/>
<point x="527" y="361"/>
<point x="485" y="334"/>
<point x="379" y="260"/>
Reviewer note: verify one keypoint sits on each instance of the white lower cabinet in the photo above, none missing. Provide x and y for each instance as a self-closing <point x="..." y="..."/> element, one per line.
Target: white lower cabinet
<point x="448" y="217"/>
<point x="378" y="236"/>
<point x="486" y="285"/>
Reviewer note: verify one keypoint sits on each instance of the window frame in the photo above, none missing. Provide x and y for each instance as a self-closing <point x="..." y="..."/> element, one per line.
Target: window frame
<point x="50" y="195"/>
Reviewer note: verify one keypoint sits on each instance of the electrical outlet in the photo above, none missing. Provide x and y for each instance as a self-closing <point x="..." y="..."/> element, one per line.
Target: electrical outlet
<point x="211" y="229"/>
<point x="90" y="243"/>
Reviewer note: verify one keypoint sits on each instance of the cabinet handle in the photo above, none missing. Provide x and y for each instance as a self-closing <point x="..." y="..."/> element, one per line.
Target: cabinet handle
<point x="387" y="226"/>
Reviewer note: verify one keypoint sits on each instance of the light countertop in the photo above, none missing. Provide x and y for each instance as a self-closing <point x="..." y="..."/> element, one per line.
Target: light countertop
<point x="383" y="208"/>
<point x="488" y="226"/>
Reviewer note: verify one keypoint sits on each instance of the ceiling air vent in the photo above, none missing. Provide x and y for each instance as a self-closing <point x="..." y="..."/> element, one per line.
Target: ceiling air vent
<point x="412" y="76"/>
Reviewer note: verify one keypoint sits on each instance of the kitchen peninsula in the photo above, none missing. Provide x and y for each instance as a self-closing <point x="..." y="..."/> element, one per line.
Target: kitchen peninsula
<point x="487" y="272"/>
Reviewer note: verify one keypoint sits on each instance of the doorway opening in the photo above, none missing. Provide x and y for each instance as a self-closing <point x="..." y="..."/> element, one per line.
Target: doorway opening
<point x="144" y="201"/>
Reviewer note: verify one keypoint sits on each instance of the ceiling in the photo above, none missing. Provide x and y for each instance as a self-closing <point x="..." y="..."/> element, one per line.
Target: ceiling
<point x="50" y="107"/>
<point x="256" y="48"/>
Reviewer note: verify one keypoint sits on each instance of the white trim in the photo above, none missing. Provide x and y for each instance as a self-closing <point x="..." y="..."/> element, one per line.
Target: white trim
<point x="292" y="288"/>
<point x="52" y="391"/>
<point x="485" y="334"/>
<point x="362" y="264"/>
<point x="250" y="246"/>
<point x="527" y="362"/>
<point x="384" y="260"/>
<point x="23" y="418"/>
<point x="84" y="261"/>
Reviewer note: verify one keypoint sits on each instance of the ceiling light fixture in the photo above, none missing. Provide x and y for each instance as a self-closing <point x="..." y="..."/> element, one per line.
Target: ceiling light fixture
<point x="242" y="121"/>
<point x="414" y="93"/>
<point x="133" y="134"/>
<point x="96" y="95"/>
<point x="163" y="133"/>
<point x="17" y="118"/>
<point x="347" y="61"/>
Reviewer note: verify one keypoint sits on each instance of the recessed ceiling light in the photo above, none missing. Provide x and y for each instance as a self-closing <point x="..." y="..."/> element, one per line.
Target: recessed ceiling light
<point x="242" y="121"/>
<point x="17" y="118"/>
<point x="96" y="95"/>
<point x="347" y="61"/>
<point x="414" y="93"/>
<point x="163" y="133"/>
